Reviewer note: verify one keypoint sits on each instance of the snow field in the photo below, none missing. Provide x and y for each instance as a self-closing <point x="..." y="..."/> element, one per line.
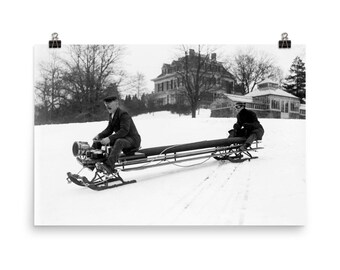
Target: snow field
<point x="269" y="190"/>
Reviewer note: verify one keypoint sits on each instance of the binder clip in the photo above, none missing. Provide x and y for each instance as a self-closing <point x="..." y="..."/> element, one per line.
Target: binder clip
<point x="284" y="43"/>
<point x="55" y="42"/>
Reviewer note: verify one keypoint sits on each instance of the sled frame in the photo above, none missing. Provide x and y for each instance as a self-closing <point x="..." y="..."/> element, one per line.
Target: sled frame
<point x="100" y="180"/>
<point x="103" y="180"/>
<point x="234" y="154"/>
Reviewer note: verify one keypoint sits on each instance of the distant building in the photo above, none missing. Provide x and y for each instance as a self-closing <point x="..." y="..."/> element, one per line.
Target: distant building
<point x="303" y="111"/>
<point x="169" y="88"/>
<point x="268" y="101"/>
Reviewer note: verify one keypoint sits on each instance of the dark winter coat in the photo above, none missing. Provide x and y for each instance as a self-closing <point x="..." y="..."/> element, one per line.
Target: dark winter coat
<point x="122" y="125"/>
<point x="248" y="122"/>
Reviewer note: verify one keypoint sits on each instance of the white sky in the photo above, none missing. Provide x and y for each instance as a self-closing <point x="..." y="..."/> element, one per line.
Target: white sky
<point x="148" y="59"/>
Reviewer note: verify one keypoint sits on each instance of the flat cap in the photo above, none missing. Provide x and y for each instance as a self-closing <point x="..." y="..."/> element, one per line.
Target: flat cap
<point x="110" y="98"/>
<point x="240" y="104"/>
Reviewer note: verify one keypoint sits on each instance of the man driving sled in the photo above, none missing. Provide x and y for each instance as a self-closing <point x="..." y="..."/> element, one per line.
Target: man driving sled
<point x="121" y="133"/>
<point x="247" y="125"/>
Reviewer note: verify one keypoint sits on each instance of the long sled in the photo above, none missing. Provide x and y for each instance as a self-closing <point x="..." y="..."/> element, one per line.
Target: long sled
<point x="137" y="159"/>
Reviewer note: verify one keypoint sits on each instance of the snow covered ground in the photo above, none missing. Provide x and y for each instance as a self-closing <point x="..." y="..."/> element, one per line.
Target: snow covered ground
<point x="270" y="190"/>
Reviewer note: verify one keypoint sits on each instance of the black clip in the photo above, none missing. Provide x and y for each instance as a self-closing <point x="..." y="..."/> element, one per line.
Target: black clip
<point x="55" y="42"/>
<point x="284" y="43"/>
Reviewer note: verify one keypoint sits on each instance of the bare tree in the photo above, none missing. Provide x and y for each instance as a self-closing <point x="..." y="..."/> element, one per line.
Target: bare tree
<point x="135" y="85"/>
<point x="89" y="70"/>
<point x="251" y="68"/>
<point x="49" y="92"/>
<point x="198" y="73"/>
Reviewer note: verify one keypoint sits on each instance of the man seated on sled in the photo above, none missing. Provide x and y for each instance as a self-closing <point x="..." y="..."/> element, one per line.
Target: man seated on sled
<point x="121" y="133"/>
<point x="247" y="125"/>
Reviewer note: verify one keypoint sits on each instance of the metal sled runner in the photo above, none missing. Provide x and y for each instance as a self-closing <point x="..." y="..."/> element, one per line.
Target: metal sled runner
<point x="137" y="159"/>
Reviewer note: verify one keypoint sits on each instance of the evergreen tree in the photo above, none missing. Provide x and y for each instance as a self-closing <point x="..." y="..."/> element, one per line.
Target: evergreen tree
<point x="127" y="102"/>
<point x="296" y="81"/>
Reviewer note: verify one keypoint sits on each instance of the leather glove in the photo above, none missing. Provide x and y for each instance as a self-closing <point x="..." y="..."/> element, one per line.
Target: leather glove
<point x="105" y="141"/>
<point x="247" y="125"/>
<point x="237" y="126"/>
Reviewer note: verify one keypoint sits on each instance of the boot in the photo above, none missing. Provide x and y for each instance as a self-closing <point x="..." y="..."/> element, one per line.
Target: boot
<point x="244" y="147"/>
<point x="105" y="168"/>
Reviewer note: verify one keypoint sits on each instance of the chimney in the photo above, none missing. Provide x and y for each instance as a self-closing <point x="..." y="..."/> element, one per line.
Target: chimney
<point x="213" y="56"/>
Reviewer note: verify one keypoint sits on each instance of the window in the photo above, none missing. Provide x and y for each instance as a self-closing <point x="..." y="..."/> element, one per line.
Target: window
<point x="294" y="106"/>
<point x="275" y="104"/>
<point x="173" y="99"/>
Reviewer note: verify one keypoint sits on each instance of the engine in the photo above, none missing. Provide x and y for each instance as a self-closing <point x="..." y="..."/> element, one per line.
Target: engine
<point x="84" y="150"/>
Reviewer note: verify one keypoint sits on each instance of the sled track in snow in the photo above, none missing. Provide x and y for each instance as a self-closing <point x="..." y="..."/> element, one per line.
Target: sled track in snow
<point x="233" y="210"/>
<point x="210" y="185"/>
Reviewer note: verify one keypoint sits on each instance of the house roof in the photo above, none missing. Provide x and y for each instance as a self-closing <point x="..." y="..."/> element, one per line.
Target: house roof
<point x="163" y="76"/>
<point x="275" y="92"/>
<point x="238" y="98"/>
<point x="268" y="81"/>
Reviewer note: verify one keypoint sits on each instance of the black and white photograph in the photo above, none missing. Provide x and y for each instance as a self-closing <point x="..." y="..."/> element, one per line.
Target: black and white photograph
<point x="181" y="134"/>
<point x="169" y="135"/>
